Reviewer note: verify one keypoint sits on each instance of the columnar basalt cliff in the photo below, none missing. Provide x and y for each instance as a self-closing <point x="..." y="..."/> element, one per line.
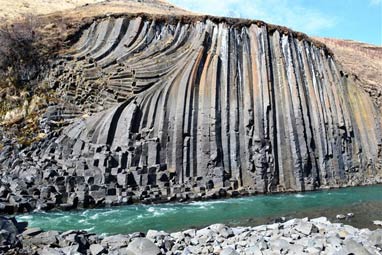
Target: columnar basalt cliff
<point x="187" y="106"/>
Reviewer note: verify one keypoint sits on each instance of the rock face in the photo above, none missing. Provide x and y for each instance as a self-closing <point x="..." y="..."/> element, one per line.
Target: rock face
<point x="9" y="229"/>
<point x="217" y="105"/>
<point x="198" y="104"/>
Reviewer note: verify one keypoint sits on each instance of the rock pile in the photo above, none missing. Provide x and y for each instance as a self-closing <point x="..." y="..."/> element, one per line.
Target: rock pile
<point x="296" y="236"/>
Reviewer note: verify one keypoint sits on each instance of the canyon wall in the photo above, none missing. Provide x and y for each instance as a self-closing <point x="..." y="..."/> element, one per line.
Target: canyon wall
<point x="214" y="104"/>
<point x="191" y="105"/>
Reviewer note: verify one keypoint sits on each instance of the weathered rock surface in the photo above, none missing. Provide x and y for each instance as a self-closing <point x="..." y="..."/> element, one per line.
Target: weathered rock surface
<point x="213" y="105"/>
<point x="279" y="238"/>
<point x="192" y="108"/>
<point x="9" y="230"/>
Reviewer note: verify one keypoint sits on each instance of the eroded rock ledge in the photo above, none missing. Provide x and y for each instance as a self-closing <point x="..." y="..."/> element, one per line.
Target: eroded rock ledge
<point x="296" y="236"/>
<point x="193" y="109"/>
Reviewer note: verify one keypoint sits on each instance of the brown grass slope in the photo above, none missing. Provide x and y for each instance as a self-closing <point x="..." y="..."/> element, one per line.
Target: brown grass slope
<point x="363" y="61"/>
<point x="16" y="8"/>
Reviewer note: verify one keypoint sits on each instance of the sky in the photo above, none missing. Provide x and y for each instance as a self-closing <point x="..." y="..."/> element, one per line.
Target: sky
<point x="359" y="20"/>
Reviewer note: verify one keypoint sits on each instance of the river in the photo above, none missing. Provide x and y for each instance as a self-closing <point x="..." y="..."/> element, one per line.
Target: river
<point x="364" y="202"/>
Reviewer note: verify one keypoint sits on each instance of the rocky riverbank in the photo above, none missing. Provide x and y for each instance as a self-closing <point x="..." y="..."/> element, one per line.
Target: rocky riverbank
<point x="296" y="236"/>
<point x="38" y="190"/>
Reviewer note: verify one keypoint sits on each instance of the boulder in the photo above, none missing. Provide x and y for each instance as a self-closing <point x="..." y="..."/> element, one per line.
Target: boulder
<point x="154" y="234"/>
<point x="45" y="238"/>
<point x="50" y="251"/>
<point x="8" y="233"/>
<point x="306" y="228"/>
<point x="253" y="250"/>
<point x="222" y="230"/>
<point x="351" y="246"/>
<point x="115" y="242"/>
<point x="31" y="232"/>
<point x="375" y="238"/>
<point x="97" y="249"/>
<point x="142" y="246"/>
<point x="229" y="251"/>
<point x="70" y="250"/>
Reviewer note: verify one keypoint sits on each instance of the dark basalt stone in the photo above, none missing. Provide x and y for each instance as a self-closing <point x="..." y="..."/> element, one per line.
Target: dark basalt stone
<point x="193" y="109"/>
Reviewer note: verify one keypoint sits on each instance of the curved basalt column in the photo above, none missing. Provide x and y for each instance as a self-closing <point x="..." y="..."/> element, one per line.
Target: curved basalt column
<point x="208" y="104"/>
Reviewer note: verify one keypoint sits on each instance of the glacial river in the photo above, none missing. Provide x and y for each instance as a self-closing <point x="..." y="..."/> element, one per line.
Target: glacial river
<point x="364" y="202"/>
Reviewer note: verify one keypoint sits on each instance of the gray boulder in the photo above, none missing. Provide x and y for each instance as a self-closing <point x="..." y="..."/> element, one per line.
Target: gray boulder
<point x="229" y="251"/>
<point x="351" y="246"/>
<point x="376" y="238"/>
<point x="253" y="250"/>
<point x="306" y="228"/>
<point x="154" y="234"/>
<point x="8" y="233"/>
<point x="142" y="246"/>
<point x="97" y="249"/>
<point x="31" y="232"/>
<point x="51" y="251"/>
<point x="45" y="238"/>
<point x="115" y="242"/>
<point x="222" y="230"/>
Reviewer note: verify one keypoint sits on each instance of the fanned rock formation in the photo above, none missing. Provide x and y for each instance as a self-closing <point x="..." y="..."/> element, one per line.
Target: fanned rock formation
<point x="217" y="105"/>
<point x="186" y="105"/>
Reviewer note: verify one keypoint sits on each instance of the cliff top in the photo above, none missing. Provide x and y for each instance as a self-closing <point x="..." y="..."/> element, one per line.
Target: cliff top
<point x="72" y="14"/>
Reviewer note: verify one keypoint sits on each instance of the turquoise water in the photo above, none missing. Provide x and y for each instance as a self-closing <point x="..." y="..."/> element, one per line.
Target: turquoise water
<point x="364" y="202"/>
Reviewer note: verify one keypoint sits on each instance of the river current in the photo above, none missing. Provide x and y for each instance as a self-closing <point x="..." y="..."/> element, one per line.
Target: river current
<point x="364" y="202"/>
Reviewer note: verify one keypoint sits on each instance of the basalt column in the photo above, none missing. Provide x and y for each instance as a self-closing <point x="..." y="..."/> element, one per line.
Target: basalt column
<point x="212" y="104"/>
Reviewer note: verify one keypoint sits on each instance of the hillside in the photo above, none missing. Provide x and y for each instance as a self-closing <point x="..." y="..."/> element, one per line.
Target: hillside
<point x="17" y="8"/>
<point x="362" y="60"/>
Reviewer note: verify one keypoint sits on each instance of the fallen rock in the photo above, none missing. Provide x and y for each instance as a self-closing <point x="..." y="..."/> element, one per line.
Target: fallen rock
<point x="253" y="250"/>
<point x="306" y="228"/>
<point x="8" y="233"/>
<point x="97" y="249"/>
<point x="115" y="242"/>
<point x="229" y="251"/>
<point x="375" y="238"/>
<point x="45" y="238"/>
<point x="142" y="246"/>
<point x="350" y="246"/>
<point x="32" y="232"/>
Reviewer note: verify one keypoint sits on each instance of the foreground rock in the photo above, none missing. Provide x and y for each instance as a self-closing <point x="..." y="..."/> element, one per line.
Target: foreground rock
<point x="296" y="236"/>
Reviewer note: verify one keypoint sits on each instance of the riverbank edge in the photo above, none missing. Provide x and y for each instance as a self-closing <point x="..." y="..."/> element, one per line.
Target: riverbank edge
<point x="295" y="236"/>
<point x="13" y="208"/>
